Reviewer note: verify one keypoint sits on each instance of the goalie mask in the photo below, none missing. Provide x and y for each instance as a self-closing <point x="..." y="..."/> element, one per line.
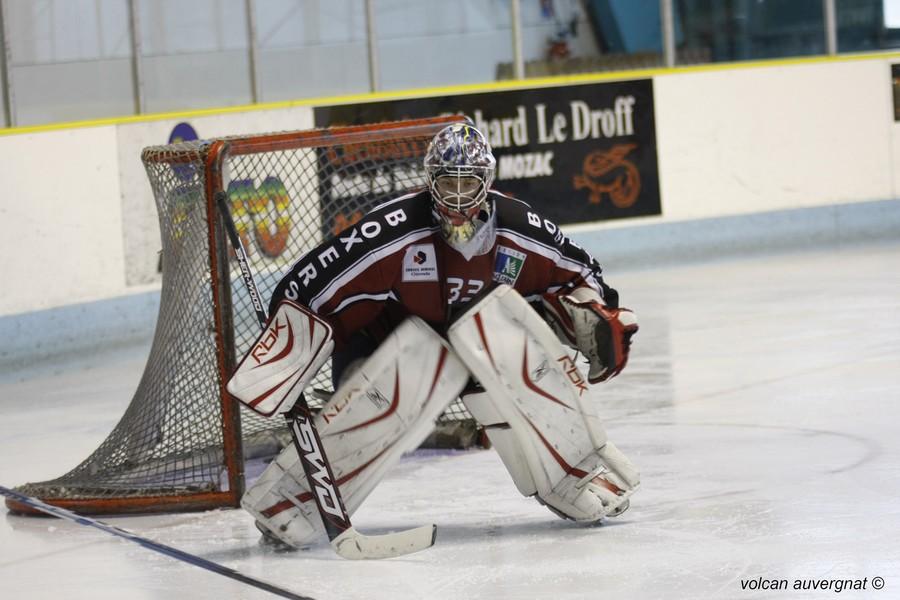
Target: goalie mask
<point x="459" y="167"/>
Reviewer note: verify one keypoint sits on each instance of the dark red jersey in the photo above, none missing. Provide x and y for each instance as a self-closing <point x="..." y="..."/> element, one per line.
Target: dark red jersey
<point x="395" y="263"/>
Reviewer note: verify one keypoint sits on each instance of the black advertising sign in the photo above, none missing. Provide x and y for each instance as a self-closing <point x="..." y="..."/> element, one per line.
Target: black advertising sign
<point x="895" y="78"/>
<point x="577" y="153"/>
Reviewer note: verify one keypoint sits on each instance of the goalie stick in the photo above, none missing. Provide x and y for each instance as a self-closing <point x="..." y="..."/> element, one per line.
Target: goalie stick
<point x="149" y="544"/>
<point x="345" y="540"/>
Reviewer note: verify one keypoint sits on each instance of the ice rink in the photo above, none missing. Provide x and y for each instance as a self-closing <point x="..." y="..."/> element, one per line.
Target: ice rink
<point x="761" y="404"/>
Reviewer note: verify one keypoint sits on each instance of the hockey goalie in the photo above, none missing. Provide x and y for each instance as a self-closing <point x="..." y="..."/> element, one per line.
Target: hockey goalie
<point x="453" y="291"/>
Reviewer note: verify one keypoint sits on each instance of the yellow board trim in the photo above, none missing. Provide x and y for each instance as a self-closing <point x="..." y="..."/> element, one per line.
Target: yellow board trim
<point x="493" y="86"/>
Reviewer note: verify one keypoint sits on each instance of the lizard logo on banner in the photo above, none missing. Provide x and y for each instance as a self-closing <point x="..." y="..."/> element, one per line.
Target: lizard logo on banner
<point x="508" y="265"/>
<point x="420" y="263"/>
<point x="608" y="172"/>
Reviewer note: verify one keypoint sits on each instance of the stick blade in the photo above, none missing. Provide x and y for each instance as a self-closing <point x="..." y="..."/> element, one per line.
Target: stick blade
<point x="355" y="546"/>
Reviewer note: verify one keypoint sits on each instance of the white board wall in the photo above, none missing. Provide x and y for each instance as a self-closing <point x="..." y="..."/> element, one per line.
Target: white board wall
<point x="753" y="140"/>
<point x="61" y="213"/>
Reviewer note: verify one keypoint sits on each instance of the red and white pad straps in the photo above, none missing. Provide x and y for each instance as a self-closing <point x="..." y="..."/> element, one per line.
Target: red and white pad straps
<point x="283" y="360"/>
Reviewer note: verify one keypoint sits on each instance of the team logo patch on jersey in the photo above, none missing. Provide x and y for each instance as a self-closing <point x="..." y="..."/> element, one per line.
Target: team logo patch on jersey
<point x="420" y="263"/>
<point x="508" y="266"/>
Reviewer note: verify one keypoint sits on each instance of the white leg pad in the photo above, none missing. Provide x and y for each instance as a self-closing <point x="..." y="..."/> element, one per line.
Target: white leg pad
<point x="385" y="408"/>
<point x="538" y="392"/>
<point x="503" y="439"/>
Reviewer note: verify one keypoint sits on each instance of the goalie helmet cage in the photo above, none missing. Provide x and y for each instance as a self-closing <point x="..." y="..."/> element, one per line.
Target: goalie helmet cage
<point x="182" y="441"/>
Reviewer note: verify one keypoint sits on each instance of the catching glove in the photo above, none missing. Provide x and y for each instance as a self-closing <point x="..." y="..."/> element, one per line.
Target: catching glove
<point x="601" y="333"/>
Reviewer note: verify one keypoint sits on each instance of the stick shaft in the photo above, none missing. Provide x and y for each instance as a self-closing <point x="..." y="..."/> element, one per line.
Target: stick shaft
<point x="241" y="254"/>
<point x="175" y="553"/>
<point x="300" y="422"/>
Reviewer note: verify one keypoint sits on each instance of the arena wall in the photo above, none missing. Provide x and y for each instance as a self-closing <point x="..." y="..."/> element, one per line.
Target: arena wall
<point x="755" y="140"/>
<point x="752" y="156"/>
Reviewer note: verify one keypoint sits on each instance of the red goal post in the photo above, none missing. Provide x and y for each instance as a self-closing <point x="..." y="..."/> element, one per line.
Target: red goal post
<point x="182" y="442"/>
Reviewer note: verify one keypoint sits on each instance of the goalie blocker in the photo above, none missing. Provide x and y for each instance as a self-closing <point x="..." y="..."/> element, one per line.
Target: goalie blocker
<point x="537" y="412"/>
<point x="283" y="360"/>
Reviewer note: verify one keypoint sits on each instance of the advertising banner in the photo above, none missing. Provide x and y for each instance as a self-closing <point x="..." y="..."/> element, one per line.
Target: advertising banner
<point x="579" y="153"/>
<point x="895" y="78"/>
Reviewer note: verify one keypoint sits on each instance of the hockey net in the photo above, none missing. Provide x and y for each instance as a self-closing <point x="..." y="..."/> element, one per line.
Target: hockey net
<point x="182" y="442"/>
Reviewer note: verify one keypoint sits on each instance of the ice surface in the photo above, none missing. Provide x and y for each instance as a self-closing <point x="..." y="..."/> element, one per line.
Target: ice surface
<point x="762" y="405"/>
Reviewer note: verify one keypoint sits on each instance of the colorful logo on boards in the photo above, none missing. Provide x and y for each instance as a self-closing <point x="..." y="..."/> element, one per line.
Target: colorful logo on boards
<point x="264" y="210"/>
<point x="183" y="132"/>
